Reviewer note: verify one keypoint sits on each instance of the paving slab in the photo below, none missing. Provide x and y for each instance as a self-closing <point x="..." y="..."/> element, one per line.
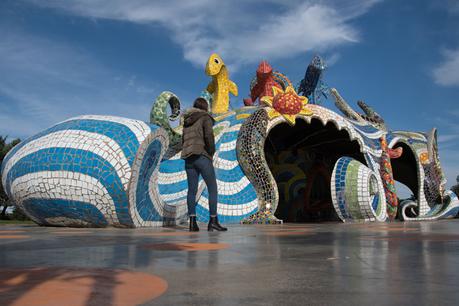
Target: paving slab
<point x="291" y="264"/>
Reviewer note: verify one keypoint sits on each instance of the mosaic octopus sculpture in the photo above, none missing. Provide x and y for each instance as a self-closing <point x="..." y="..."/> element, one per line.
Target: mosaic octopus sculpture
<point x="96" y="171"/>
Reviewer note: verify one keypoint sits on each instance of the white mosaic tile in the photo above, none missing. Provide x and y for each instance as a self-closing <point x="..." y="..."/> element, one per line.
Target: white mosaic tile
<point x="56" y="185"/>
<point x="78" y="140"/>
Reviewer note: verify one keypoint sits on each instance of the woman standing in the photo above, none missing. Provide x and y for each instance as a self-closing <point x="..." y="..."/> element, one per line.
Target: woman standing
<point x="197" y="150"/>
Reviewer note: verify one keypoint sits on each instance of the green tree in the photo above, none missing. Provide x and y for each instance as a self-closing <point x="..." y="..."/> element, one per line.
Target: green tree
<point x="4" y="148"/>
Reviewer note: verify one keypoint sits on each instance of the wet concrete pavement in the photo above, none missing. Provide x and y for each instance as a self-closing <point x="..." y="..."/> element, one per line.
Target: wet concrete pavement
<point x="291" y="264"/>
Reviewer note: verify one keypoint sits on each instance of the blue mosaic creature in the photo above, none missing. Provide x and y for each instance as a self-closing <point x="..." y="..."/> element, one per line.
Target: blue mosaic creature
<point x="312" y="85"/>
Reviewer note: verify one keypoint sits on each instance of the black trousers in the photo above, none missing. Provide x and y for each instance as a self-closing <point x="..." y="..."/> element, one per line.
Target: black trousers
<point x="196" y="165"/>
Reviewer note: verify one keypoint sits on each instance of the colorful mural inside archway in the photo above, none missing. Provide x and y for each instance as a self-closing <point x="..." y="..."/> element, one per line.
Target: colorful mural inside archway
<point x="96" y="171"/>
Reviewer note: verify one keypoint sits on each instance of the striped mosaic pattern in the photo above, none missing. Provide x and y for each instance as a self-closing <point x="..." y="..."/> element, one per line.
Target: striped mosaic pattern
<point x="78" y="172"/>
<point x="356" y="192"/>
<point x="102" y="170"/>
<point x="146" y="206"/>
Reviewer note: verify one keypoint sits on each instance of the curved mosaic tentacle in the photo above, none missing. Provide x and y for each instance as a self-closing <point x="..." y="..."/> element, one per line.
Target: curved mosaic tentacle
<point x="431" y="201"/>
<point x="388" y="180"/>
<point x="158" y="114"/>
<point x="78" y="172"/>
<point x="448" y="209"/>
<point x="435" y="179"/>
<point x="251" y="156"/>
<point x="357" y="192"/>
<point x="147" y="208"/>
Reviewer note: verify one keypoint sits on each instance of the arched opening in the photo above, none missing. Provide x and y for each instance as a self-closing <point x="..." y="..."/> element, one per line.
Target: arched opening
<point x="301" y="159"/>
<point x="173" y="112"/>
<point x="405" y="169"/>
<point x="405" y="193"/>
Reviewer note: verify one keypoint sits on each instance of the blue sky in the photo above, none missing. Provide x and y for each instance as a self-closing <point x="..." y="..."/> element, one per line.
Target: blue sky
<point x="65" y="58"/>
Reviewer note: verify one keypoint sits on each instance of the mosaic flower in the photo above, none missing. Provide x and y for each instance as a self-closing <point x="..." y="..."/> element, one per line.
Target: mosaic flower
<point x="424" y="157"/>
<point x="287" y="104"/>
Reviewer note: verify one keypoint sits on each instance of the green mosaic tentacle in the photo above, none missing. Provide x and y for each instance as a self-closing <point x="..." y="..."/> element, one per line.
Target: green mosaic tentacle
<point x="158" y="114"/>
<point x="357" y="192"/>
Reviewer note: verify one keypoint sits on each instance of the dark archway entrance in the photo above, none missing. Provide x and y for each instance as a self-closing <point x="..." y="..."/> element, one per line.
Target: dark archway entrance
<point x="405" y="171"/>
<point x="301" y="159"/>
<point x="405" y="168"/>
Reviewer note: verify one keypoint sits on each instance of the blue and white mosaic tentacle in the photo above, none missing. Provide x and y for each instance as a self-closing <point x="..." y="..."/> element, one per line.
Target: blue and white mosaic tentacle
<point x="103" y="170"/>
<point x="78" y="172"/>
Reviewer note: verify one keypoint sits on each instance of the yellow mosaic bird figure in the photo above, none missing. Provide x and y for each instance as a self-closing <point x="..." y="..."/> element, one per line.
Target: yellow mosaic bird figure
<point x="221" y="86"/>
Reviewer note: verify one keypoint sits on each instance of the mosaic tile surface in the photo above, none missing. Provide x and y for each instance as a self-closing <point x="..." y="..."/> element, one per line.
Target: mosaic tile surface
<point x="96" y="171"/>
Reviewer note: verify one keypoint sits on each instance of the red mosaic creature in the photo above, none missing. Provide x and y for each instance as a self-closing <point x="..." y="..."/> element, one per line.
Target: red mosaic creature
<point x="264" y="82"/>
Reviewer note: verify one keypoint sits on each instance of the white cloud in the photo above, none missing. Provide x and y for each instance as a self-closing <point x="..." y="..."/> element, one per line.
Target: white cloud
<point x="447" y="73"/>
<point x="332" y="59"/>
<point x="241" y="31"/>
<point x="43" y="82"/>
<point x="448" y="143"/>
<point x="447" y="138"/>
<point x="451" y="6"/>
<point x="449" y="160"/>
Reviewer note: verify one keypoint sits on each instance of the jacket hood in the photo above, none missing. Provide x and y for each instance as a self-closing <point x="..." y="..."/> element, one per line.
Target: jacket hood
<point x="193" y="115"/>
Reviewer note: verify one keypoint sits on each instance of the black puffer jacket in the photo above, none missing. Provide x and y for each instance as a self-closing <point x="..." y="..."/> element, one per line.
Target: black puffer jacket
<point x="198" y="134"/>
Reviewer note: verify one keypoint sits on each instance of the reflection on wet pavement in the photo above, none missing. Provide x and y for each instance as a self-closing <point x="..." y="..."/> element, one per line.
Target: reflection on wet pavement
<point x="326" y="264"/>
<point x="77" y="287"/>
<point x="186" y="246"/>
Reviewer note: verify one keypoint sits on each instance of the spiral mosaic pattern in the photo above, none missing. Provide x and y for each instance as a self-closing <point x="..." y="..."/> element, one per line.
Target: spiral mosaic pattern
<point x="78" y="171"/>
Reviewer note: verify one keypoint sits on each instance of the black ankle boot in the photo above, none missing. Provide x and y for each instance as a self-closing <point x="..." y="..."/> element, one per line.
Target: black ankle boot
<point x="193" y="225"/>
<point x="214" y="225"/>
